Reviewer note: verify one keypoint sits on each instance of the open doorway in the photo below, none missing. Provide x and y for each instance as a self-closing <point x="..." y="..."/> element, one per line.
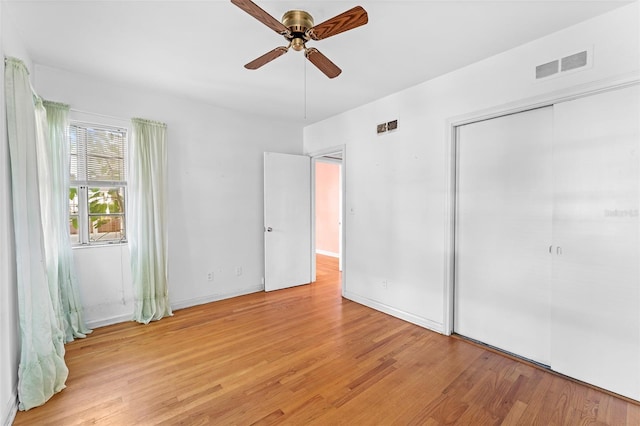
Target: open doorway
<point x="328" y="169"/>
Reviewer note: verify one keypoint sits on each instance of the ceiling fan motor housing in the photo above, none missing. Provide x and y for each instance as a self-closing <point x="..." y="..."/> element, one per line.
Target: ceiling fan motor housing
<point x="298" y="22"/>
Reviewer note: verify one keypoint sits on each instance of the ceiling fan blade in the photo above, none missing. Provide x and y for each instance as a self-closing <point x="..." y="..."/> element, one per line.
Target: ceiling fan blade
<point x="346" y="21"/>
<point x="266" y="58"/>
<point x="254" y="10"/>
<point x="323" y="63"/>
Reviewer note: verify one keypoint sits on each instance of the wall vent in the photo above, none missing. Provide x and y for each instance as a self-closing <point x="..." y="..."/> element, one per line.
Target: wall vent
<point x="577" y="60"/>
<point x="387" y="127"/>
<point x="545" y="70"/>
<point x="568" y="63"/>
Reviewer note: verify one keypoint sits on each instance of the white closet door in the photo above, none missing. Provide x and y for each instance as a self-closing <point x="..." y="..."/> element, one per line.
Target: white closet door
<point x="503" y="231"/>
<point x="596" y="291"/>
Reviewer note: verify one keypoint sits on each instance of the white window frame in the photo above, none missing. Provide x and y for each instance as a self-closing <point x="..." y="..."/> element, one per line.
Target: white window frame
<point x="84" y="238"/>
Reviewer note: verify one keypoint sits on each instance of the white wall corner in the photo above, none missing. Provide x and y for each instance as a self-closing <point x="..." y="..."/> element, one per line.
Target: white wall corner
<point x="11" y="409"/>
<point x="409" y="317"/>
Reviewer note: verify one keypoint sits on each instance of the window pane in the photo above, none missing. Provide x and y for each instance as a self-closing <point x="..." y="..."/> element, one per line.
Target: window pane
<point x="73" y="167"/>
<point x="99" y="152"/>
<point x="106" y="229"/>
<point x="73" y="230"/>
<point x="106" y="200"/>
<point x="73" y="201"/>
<point x="101" y="167"/>
<point x="73" y="153"/>
<point x="73" y="215"/>
<point x="105" y="154"/>
<point x="106" y="218"/>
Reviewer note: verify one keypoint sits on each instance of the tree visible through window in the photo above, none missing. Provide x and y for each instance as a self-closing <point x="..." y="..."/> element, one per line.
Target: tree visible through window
<point x="97" y="190"/>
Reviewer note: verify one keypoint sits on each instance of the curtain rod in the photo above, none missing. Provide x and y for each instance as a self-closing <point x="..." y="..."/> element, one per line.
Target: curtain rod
<point x="99" y="115"/>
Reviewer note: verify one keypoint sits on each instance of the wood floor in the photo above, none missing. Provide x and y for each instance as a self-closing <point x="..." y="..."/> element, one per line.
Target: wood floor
<point x="306" y="356"/>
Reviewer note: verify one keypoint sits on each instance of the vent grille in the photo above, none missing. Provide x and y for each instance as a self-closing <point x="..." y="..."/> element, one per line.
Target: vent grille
<point x="558" y="66"/>
<point x="387" y="127"/>
<point x="545" y="70"/>
<point x="574" y="61"/>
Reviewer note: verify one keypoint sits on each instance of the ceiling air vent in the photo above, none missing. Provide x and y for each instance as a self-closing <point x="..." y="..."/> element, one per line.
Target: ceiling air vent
<point x="559" y="66"/>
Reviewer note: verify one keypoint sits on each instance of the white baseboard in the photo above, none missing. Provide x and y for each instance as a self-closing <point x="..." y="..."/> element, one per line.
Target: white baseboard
<point x="177" y="306"/>
<point x="214" y="298"/>
<point x="11" y="410"/>
<point x="109" y="321"/>
<point x="327" y="253"/>
<point x="406" y="316"/>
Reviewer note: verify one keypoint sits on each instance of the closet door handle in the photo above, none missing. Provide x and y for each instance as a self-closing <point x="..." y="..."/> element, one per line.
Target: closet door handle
<point x="559" y="250"/>
<point x="550" y="248"/>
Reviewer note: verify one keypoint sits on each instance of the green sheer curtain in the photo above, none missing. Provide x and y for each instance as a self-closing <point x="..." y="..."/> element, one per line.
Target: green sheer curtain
<point x="42" y="370"/>
<point x="147" y="220"/>
<point x="60" y="265"/>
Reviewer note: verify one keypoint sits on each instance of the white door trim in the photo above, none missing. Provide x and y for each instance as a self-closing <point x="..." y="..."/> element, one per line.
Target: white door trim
<point x="451" y="140"/>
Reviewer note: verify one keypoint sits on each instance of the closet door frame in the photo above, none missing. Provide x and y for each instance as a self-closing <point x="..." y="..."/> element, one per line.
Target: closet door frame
<point x="451" y="162"/>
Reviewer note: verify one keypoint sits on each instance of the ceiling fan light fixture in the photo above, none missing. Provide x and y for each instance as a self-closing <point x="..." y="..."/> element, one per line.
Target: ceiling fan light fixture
<point x="297" y="44"/>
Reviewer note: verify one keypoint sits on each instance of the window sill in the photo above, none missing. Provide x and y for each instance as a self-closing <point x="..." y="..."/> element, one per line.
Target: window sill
<point x="93" y="246"/>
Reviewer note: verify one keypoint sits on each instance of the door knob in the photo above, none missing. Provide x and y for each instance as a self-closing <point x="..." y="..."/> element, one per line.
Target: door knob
<point x="269" y="229"/>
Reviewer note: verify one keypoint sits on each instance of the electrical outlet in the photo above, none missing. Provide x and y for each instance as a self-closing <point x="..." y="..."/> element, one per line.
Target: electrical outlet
<point x="385" y="284"/>
<point x="239" y="271"/>
<point x="209" y="276"/>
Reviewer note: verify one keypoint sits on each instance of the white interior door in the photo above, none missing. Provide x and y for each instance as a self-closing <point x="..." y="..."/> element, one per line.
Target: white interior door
<point x="287" y="220"/>
<point x="503" y="233"/>
<point x="596" y="292"/>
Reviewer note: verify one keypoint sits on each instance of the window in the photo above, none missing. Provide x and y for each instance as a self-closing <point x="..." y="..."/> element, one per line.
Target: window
<point x="98" y="184"/>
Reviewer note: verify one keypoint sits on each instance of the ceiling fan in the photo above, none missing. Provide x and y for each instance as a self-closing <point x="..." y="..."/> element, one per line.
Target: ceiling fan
<point x="297" y="28"/>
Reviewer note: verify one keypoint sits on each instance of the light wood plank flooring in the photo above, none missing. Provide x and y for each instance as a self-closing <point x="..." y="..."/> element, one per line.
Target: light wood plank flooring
<point x="306" y="356"/>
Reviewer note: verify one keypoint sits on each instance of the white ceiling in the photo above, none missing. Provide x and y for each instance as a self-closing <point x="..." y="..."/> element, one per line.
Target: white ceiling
<point x="197" y="49"/>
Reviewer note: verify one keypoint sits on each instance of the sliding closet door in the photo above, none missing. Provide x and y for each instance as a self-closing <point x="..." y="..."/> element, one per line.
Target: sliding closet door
<point x="596" y="290"/>
<point x="503" y="233"/>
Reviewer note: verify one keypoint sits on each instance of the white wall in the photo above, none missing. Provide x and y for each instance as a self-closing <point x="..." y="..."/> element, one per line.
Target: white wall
<point x="396" y="183"/>
<point x="10" y="45"/>
<point x="215" y="193"/>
